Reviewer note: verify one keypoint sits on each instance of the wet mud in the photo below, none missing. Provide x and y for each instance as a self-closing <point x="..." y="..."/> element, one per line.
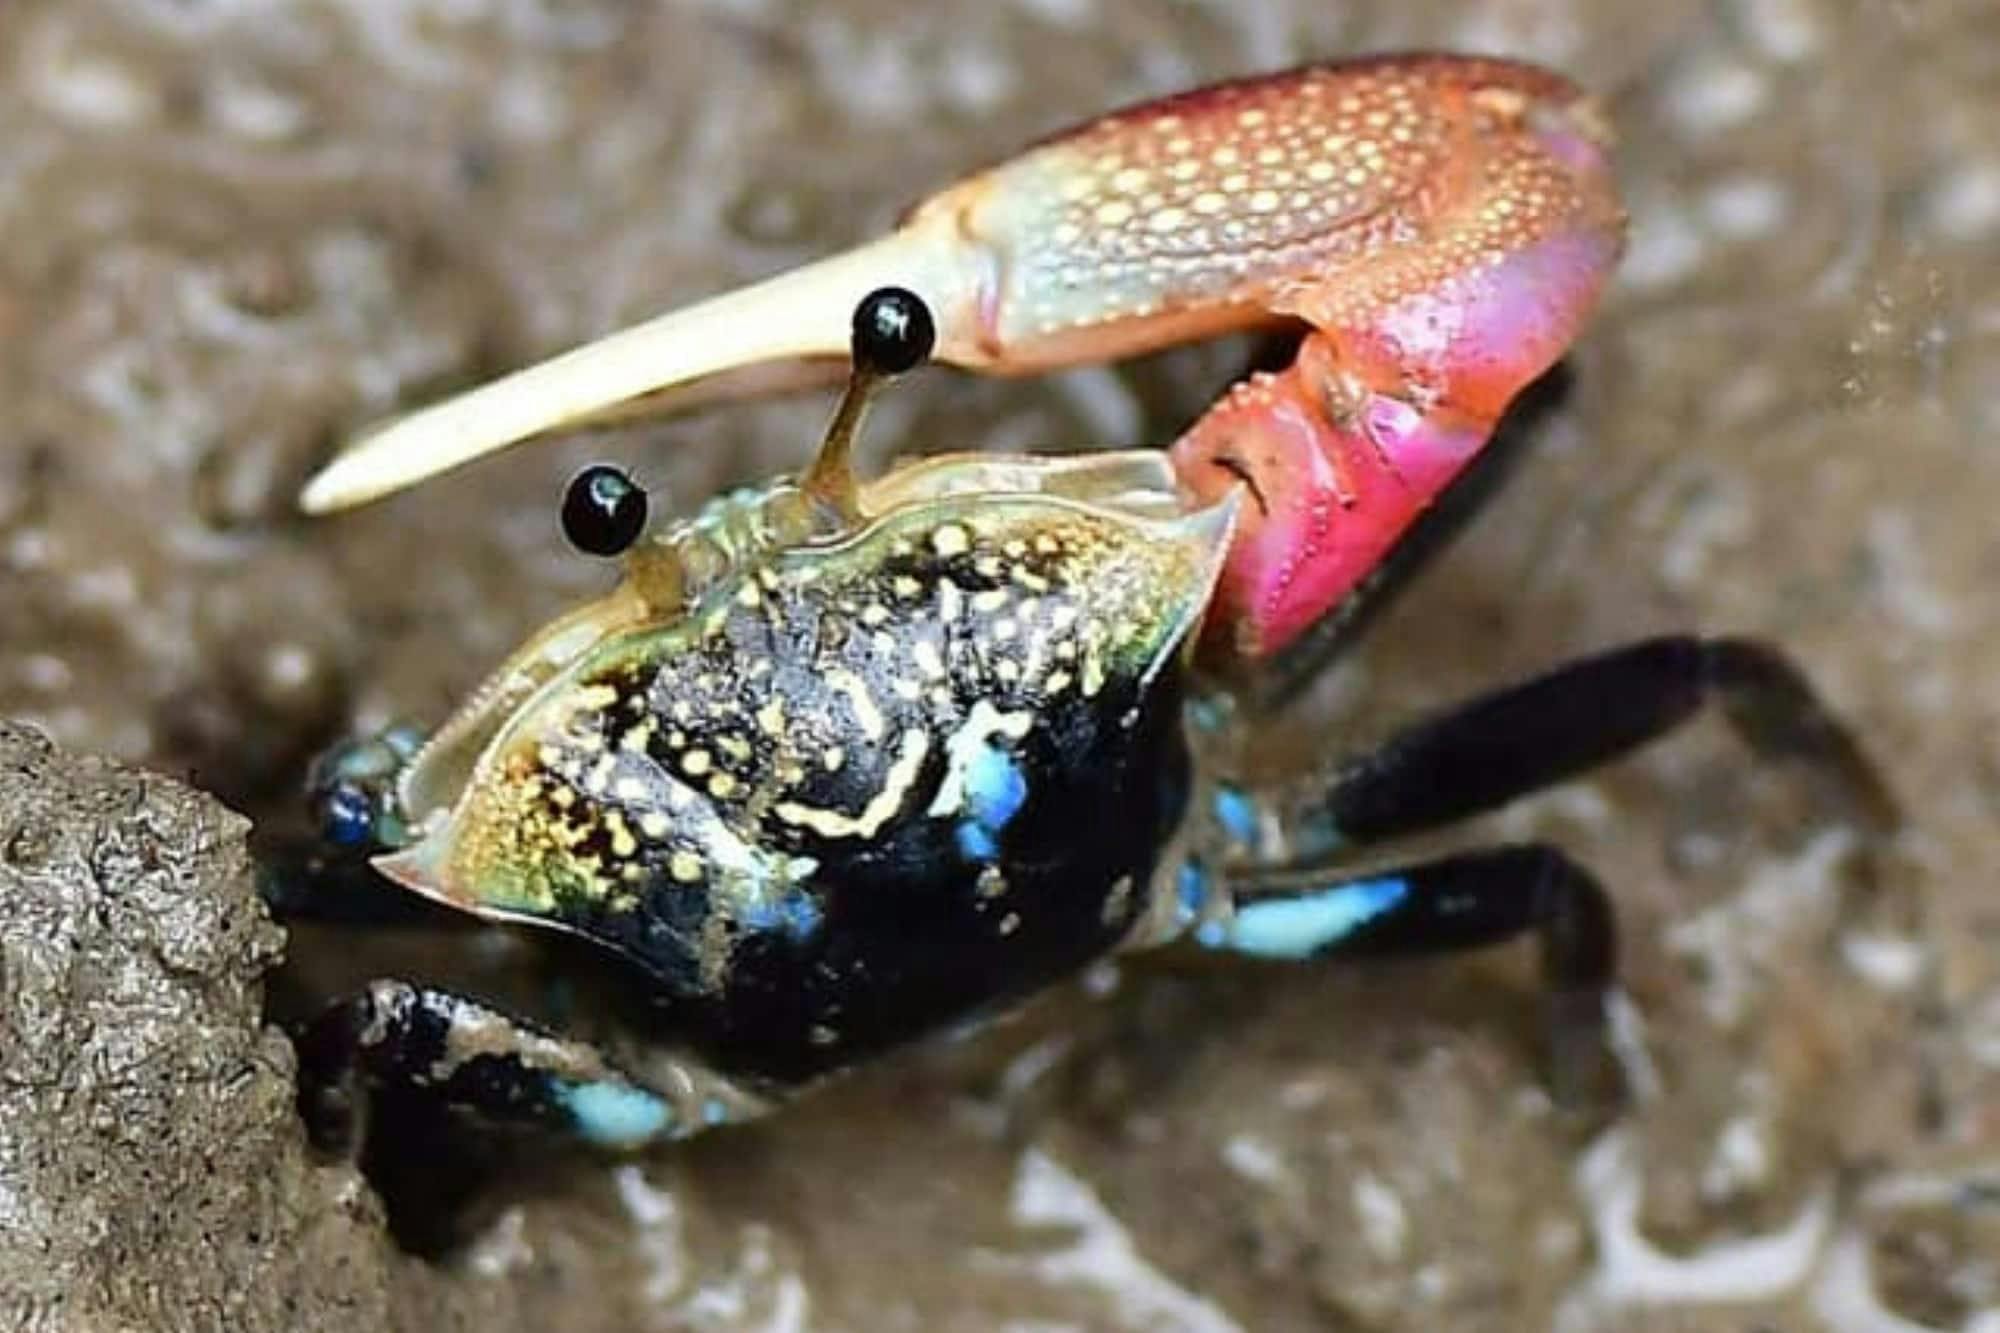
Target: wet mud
<point x="234" y="233"/>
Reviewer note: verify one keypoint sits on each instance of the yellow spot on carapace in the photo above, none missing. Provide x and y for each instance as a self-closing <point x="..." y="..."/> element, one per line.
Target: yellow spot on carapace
<point x="623" y="844"/>
<point x="950" y="539"/>
<point x="896" y="784"/>
<point x="685" y="867"/>
<point x="696" y="762"/>
<point x="1093" y="671"/>
<point x="866" y="714"/>
<point x="595" y="697"/>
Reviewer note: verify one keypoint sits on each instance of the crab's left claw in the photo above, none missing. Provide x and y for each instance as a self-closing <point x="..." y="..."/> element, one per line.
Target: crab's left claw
<point x="1441" y="226"/>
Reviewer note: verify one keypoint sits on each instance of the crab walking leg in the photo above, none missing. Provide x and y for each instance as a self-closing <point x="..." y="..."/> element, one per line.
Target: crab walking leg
<point x="1277" y="887"/>
<point x="503" y="1072"/>
<point x="1526" y="737"/>
<point x="1446" y="222"/>
<point x="1466" y="901"/>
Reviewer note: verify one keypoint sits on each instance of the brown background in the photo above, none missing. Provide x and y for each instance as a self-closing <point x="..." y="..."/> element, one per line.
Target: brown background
<point x="231" y="232"/>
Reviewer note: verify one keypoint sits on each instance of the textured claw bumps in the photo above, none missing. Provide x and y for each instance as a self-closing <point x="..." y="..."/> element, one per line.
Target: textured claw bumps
<point x="1477" y="225"/>
<point x="1442" y="225"/>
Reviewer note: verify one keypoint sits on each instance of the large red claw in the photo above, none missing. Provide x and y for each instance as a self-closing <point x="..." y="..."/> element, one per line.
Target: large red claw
<point x="1476" y="225"/>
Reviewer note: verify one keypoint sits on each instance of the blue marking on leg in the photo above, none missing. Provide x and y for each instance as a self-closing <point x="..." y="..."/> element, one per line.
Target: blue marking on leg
<point x="976" y="842"/>
<point x="1236" y="811"/>
<point x="1301" y="926"/>
<point x="615" y="1115"/>
<point x="1191" y="889"/>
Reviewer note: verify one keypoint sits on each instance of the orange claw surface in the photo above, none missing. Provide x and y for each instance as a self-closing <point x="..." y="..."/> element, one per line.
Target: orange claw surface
<point x="1440" y="226"/>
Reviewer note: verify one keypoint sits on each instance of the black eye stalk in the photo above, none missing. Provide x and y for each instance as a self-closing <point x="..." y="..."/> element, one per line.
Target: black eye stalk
<point x="893" y="333"/>
<point x="603" y="511"/>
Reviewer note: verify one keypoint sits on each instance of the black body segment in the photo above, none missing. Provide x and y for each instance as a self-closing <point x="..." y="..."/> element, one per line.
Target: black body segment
<point x="859" y="795"/>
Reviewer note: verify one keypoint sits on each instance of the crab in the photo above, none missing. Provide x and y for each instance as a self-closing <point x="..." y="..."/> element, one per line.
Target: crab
<point x="842" y="763"/>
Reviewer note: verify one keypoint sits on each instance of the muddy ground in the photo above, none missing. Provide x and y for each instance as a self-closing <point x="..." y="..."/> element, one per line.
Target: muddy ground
<point x="230" y="233"/>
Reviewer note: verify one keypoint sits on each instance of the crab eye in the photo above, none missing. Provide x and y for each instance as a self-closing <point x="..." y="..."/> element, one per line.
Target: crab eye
<point x="603" y="511"/>
<point x="347" y="814"/>
<point x="893" y="331"/>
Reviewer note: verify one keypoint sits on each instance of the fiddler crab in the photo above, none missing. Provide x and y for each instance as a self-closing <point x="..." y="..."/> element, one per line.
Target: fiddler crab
<point x="840" y="764"/>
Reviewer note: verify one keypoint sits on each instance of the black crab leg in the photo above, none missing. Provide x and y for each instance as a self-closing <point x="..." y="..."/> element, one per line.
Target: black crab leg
<point x="1530" y="736"/>
<point x="466" y="1057"/>
<point x="1278" y="890"/>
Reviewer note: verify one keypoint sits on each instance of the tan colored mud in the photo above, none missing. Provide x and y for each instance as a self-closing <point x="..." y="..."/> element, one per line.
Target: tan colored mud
<point x="231" y="232"/>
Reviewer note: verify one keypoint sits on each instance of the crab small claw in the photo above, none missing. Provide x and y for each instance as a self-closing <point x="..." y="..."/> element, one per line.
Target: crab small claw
<point x="1439" y="226"/>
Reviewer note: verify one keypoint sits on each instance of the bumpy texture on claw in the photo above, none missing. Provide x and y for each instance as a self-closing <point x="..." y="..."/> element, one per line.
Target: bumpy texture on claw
<point x="1442" y="226"/>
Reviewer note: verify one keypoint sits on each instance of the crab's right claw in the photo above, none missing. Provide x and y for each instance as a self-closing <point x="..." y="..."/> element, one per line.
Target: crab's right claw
<point x="1296" y="196"/>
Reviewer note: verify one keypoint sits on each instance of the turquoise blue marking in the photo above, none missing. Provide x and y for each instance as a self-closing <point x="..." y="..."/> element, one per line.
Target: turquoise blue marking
<point x="976" y="842"/>
<point x="714" y="1112"/>
<point x="1302" y="926"/>
<point x="995" y="791"/>
<point x="794" y="913"/>
<point x="1237" y="814"/>
<point x="1191" y="890"/>
<point x="995" y="787"/>
<point x="615" y="1115"/>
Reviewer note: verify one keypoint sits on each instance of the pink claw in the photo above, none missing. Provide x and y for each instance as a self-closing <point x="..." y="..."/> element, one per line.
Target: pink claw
<point x="1473" y="264"/>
